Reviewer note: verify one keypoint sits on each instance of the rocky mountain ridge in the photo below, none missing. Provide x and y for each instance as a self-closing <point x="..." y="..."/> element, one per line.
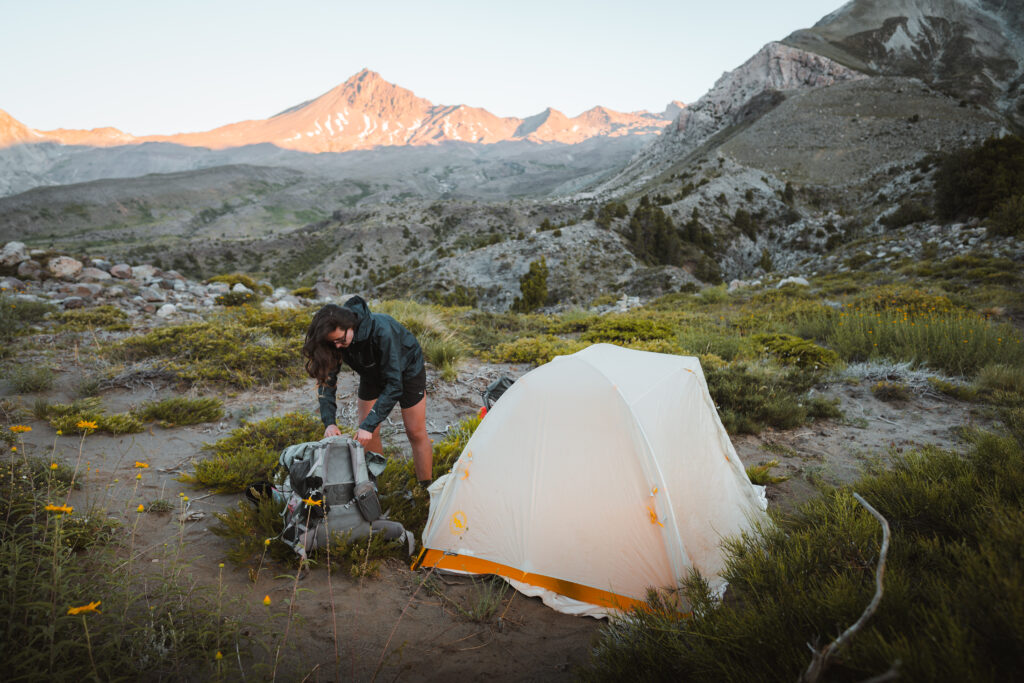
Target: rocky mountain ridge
<point x="366" y="112"/>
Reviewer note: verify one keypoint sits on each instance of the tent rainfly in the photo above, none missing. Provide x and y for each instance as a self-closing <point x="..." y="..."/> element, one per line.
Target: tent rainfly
<point x="595" y="477"/>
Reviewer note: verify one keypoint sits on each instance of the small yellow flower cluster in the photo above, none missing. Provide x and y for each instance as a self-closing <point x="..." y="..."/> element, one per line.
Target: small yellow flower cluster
<point x="86" y="424"/>
<point x="59" y="508"/>
<point x="141" y="465"/>
<point x="20" y="429"/>
<point x="141" y="508"/>
<point x="311" y="502"/>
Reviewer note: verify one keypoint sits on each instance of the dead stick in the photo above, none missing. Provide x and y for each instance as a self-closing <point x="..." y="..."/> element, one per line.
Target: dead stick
<point x="820" y="660"/>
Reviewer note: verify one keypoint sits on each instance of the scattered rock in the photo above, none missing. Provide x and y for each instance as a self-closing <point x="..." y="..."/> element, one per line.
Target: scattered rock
<point x="64" y="266"/>
<point x="239" y="288"/>
<point x="84" y="290"/>
<point x="793" y="280"/>
<point x="152" y="294"/>
<point x="73" y="302"/>
<point x="218" y="288"/>
<point x="96" y="274"/>
<point x="325" y="289"/>
<point x="12" y="254"/>
<point x="121" y="271"/>
<point x="30" y="270"/>
<point x="166" y="311"/>
<point x="144" y="272"/>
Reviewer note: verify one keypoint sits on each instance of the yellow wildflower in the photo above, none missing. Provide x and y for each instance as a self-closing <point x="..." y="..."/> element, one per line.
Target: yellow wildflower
<point x="14" y="449"/>
<point x="266" y="600"/>
<point x="267" y="542"/>
<point x="139" y="475"/>
<point x="86" y="424"/>
<point x="53" y="465"/>
<point x="59" y="508"/>
<point x="218" y="655"/>
<point x="20" y="429"/>
<point x="141" y="508"/>
<point x="221" y="565"/>
<point x="185" y="498"/>
<point x="311" y="502"/>
<point x="60" y="433"/>
<point x="91" y="607"/>
<point x="141" y="465"/>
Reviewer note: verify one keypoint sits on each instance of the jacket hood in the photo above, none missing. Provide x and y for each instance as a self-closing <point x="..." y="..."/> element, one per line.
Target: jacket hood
<point x="358" y="305"/>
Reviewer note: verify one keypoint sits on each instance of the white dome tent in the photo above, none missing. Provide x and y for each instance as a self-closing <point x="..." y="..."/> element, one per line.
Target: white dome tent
<point x="594" y="477"/>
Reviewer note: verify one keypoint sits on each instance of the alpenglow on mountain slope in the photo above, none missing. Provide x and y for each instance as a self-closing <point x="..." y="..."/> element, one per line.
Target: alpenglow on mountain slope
<point x="365" y="112"/>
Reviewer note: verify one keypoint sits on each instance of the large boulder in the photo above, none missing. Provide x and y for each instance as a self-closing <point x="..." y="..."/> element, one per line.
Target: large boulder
<point x="166" y="311"/>
<point x="144" y="272"/>
<point x="152" y="294"/>
<point x="12" y="254"/>
<point x="64" y="266"/>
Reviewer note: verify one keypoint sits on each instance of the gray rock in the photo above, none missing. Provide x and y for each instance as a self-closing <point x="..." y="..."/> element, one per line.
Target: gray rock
<point x="280" y="293"/>
<point x="115" y="292"/>
<point x="12" y="254"/>
<point x="325" y="289"/>
<point x="84" y="290"/>
<point x="152" y="294"/>
<point x="144" y="272"/>
<point x="239" y="288"/>
<point x="30" y="270"/>
<point x="163" y="283"/>
<point x="218" y="288"/>
<point x="11" y="284"/>
<point x="73" y="302"/>
<point x="95" y="274"/>
<point x="121" y="271"/>
<point x="173" y="275"/>
<point x="64" y="266"/>
<point x="102" y="264"/>
<point x="793" y="280"/>
<point x="166" y="311"/>
<point x="37" y="253"/>
<point x="284" y="304"/>
<point x="180" y="286"/>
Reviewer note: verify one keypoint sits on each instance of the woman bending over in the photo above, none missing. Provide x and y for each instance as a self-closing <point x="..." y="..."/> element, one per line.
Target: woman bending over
<point x="389" y="362"/>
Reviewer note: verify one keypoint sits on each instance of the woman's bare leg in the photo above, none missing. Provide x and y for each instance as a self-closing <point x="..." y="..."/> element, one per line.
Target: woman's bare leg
<point x="415" y="420"/>
<point x="364" y="408"/>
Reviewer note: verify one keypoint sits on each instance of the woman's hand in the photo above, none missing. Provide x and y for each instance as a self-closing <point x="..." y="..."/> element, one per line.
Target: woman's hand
<point x="332" y="430"/>
<point x="363" y="437"/>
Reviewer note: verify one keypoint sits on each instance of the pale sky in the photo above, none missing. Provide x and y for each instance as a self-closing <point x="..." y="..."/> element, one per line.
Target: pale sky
<point x="154" y="67"/>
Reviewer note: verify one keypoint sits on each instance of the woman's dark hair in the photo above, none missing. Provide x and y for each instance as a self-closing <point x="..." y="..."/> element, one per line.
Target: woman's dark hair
<point x="321" y="356"/>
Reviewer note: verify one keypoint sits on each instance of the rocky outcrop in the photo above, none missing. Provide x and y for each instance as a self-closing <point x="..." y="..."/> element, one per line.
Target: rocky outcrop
<point x="741" y="95"/>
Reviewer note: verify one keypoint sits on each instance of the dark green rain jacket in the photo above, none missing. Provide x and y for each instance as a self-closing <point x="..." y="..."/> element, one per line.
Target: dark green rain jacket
<point x="383" y="351"/>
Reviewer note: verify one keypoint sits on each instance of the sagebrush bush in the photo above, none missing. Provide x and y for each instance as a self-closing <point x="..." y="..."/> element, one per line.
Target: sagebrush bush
<point x="953" y="602"/>
<point x="17" y="314"/>
<point x="67" y="417"/>
<point x="752" y="397"/>
<point x="251" y="451"/>
<point x="890" y="391"/>
<point x="791" y="350"/>
<point x="624" y="329"/>
<point x="107" y="317"/>
<point x="444" y="353"/>
<point x="29" y="379"/>
<point x="534" y="350"/>
<point x="181" y="410"/>
<point x="232" y="279"/>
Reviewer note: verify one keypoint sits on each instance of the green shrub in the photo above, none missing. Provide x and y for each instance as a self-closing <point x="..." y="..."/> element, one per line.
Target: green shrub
<point x="251" y="451"/>
<point x="67" y="416"/>
<point x="750" y="398"/>
<point x="791" y="350"/>
<point x="652" y="235"/>
<point x="444" y="353"/>
<point x="1008" y="217"/>
<point x="29" y="379"/>
<point x="304" y="293"/>
<point x="758" y="474"/>
<point x="233" y="279"/>
<point x="484" y="330"/>
<point x="906" y="213"/>
<point x="17" y="314"/>
<point x="180" y="410"/>
<point x="533" y="286"/>
<point x="623" y="329"/>
<point x="890" y="391"/>
<point x="226" y="349"/>
<point x="953" y="601"/>
<point x="973" y="182"/>
<point x="106" y="317"/>
<point x="236" y="299"/>
<point x="534" y="350"/>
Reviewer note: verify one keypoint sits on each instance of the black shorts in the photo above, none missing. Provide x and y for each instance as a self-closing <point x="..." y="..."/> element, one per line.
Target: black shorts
<point x="413" y="389"/>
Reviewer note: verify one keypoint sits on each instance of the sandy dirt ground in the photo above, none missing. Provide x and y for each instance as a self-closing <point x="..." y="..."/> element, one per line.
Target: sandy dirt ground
<point x="390" y="626"/>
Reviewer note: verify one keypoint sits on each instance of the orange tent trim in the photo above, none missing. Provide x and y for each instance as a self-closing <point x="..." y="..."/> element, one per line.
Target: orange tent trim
<point x="429" y="557"/>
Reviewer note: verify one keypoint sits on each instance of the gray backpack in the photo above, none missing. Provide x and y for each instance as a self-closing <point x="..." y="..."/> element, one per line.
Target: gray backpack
<point x="331" y="487"/>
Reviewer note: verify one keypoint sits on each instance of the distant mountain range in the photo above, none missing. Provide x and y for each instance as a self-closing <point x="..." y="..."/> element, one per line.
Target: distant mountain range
<point x="367" y="111"/>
